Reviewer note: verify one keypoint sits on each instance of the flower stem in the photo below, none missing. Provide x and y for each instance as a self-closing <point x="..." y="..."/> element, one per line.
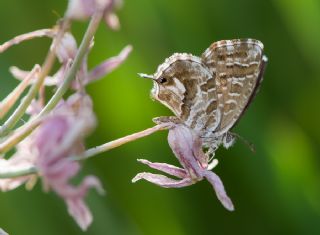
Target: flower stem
<point x="118" y="142"/>
<point x="94" y="151"/>
<point x="92" y="28"/>
<point x="26" y="129"/>
<point x="18" y="173"/>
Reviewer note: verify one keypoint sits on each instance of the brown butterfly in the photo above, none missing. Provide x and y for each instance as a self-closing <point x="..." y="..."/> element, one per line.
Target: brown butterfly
<point x="210" y="93"/>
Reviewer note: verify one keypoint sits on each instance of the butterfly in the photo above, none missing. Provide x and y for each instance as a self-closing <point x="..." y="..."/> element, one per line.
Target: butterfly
<point x="210" y="93"/>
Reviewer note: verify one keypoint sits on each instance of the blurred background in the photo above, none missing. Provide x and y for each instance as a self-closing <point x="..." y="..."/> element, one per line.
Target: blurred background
<point x="275" y="191"/>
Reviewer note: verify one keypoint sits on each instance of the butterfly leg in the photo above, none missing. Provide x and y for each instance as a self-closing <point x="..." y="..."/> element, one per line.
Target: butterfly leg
<point x="166" y="119"/>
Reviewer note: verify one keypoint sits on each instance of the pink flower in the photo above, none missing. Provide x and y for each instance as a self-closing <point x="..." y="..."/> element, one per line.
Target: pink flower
<point x="59" y="138"/>
<point x="67" y="48"/>
<point x="83" y="9"/>
<point x="107" y="66"/>
<point x="23" y="158"/>
<point x="66" y="52"/>
<point x="187" y="147"/>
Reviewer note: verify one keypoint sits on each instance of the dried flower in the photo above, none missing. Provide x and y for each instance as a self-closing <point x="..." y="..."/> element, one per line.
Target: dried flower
<point x="59" y="138"/>
<point x="187" y="147"/>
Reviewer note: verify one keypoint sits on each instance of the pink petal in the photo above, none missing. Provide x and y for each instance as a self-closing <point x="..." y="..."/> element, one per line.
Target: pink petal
<point x="75" y="201"/>
<point x="80" y="9"/>
<point x="112" y="21"/>
<point x="60" y="137"/>
<point x="162" y="181"/>
<point x="67" y="48"/>
<point x="108" y="65"/>
<point x="167" y="168"/>
<point x="79" y="212"/>
<point x="219" y="189"/>
<point x="23" y="159"/>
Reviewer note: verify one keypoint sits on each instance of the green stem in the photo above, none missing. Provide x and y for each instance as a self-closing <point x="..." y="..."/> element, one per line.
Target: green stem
<point x="26" y="129"/>
<point x="14" y="174"/>
<point x="92" y="28"/>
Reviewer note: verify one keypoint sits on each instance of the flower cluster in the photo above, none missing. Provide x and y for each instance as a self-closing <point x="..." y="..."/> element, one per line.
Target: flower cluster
<point x="57" y="136"/>
<point x="187" y="147"/>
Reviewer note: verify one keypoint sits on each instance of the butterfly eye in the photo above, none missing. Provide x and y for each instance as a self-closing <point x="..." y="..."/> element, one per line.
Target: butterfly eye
<point x="162" y="80"/>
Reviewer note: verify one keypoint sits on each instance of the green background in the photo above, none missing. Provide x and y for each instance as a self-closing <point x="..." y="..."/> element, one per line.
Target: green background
<point x="275" y="191"/>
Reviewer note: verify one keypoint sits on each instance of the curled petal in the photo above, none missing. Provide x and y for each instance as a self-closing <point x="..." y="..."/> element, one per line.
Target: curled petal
<point x="167" y="168"/>
<point x="11" y="99"/>
<point x="162" y="180"/>
<point x="187" y="147"/>
<point x="54" y="80"/>
<point x="80" y="9"/>
<point x="108" y="65"/>
<point x="112" y="21"/>
<point x="83" y="9"/>
<point x="23" y="159"/>
<point x="77" y="208"/>
<point x="219" y="189"/>
<point x="182" y="142"/>
<point x="57" y="78"/>
<point x="22" y="74"/>
<point x="67" y="48"/>
<point x="59" y="138"/>
<point x="80" y="212"/>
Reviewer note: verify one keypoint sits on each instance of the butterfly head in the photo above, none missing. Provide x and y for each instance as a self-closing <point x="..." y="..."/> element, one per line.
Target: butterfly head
<point x="175" y="81"/>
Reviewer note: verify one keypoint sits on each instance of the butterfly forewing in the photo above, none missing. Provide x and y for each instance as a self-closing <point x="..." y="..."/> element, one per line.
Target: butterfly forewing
<point x="236" y="66"/>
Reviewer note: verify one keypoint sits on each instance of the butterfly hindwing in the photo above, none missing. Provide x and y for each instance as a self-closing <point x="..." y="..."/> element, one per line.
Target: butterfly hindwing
<point x="237" y="66"/>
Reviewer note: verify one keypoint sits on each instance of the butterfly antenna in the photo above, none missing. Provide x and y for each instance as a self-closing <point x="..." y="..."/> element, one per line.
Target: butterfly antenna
<point x="246" y="142"/>
<point x="143" y="75"/>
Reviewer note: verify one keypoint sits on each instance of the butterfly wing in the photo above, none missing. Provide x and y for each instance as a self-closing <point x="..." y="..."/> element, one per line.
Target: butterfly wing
<point x="238" y="67"/>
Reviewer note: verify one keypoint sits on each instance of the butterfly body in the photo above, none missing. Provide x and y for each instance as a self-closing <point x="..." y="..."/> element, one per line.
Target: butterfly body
<point x="210" y="93"/>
